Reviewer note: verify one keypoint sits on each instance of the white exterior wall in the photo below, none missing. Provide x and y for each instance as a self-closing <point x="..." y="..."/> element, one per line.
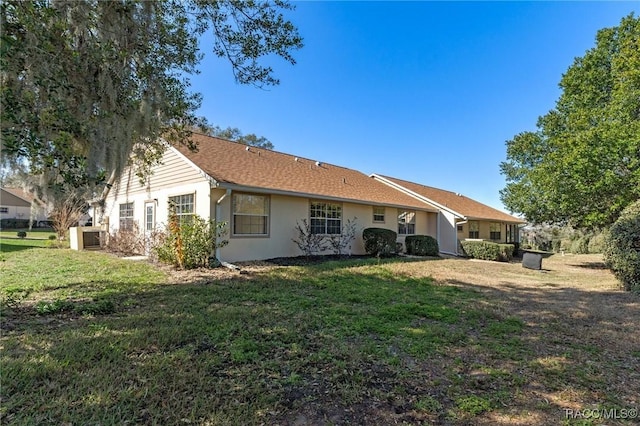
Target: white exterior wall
<point x="173" y="177"/>
<point x="448" y="235"/>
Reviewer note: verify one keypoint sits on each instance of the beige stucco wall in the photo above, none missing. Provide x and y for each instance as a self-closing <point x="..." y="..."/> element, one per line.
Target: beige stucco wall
<point x="285" y="211"/>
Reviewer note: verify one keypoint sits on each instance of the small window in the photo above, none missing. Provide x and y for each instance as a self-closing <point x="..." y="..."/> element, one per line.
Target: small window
<point x="182" y="206"/>
<point x="378" y="214"/>
<point x="4" y="209"/>
<point x="494" y="231"/>
<point x="474" y="229"/>
<point x="407" y="222"/>
<point x="250" y="214"/>
<point x="460" y="228"/>
<point x="325" y="218"/>
<point x="126" y="216"/>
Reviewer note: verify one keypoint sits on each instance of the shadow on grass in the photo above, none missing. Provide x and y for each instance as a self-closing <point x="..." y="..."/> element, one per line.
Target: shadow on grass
<point x="333" y="344"/>
<point x="8" y="245"/>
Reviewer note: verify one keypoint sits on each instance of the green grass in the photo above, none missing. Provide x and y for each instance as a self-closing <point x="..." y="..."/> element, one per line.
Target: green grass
<point x="93" y="339"/>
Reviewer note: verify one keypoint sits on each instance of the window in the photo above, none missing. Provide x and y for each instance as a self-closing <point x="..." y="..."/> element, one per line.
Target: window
<point x="474" y="229"/>
<point x="326" y="218"/>
<point x="250" y="214"/>
<point x="460" y="228"/>
<point x="149" y="216"/>
<point x="126" y="216"/>
<point x="494" y="231"/>
<point x="407" y="223"/>
<point x="4" y="209"/>
<point x="182" y="206"/>
<point x="378" y="214"/>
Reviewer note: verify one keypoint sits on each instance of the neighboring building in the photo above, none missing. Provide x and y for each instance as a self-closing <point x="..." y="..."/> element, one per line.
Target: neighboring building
<point x="18" y="205"/>
<point x="460" y="217"/>
<point x="262" y="194"/>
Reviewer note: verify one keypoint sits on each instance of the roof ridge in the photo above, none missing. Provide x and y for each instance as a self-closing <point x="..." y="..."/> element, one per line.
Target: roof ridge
<point x="427" y="186"/>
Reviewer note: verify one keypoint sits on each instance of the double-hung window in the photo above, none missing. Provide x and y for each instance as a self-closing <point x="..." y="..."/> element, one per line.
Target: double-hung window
<point x="250" y="214"/>
<point x="126" y="217"/>
<point x="378" y="214"/>
<point x="326" y="218"/>
<point x="182" y="206"/>
<point x="494" y="231"/>
<point x="474" y="229"/>
<point x="406" y="222"/>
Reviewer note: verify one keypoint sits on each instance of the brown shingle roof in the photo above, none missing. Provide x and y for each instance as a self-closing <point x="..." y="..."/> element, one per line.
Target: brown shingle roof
<point x="22" y="194"/>
<point x="465" y="206"/>
<point x="231" y="164"/>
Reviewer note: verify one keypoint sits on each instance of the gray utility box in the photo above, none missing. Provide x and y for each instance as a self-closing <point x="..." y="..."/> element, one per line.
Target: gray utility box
<point x="532" y="260"/>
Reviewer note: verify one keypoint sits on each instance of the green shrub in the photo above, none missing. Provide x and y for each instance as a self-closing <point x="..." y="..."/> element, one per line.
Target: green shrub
<point x="52" y="237"/>
<point x="556" y="246"/>
<point x="580" y="245"/>
<point x="622" y="248"/>
<point x="421" y="245"/>
<point x="22" y="234"/>
<point x="190" y="244"/>
<point x="379" y="242"/>
<point x="596" y="243"/>
<point x="506" y="252"/>
<point x="487" y="250"/>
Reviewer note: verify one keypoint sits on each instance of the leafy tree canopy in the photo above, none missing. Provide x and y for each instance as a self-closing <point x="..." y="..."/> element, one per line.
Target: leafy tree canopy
<point x="234" y="134"/>
<point x="582" y="164"/>
<point x="86" y="86"/>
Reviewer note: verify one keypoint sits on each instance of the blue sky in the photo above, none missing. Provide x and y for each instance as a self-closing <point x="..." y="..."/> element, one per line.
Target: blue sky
<point x="424" y="91"/>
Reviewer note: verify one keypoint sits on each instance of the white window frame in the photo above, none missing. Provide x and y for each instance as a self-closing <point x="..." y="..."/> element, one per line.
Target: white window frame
<point x="406" y="227"/>
<point x="322" y="217"/>
<point x="126" y="222"/>
<point x="266" y="215"/>
<point x="180" y="205"/>
<point x="381" y="216"/>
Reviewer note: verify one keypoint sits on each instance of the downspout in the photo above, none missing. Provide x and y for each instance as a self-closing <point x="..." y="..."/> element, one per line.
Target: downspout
<point x="218" y="214"/>
<point x="455" y="224"/>
<point x="438" y="226"/>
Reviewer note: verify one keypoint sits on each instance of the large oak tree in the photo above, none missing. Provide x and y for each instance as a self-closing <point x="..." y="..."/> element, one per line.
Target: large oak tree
<point x="582" y="164"/>
<point x="89" y="86"/>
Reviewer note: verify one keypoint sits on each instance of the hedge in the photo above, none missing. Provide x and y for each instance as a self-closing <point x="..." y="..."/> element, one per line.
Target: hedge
<point x="421" y="245"/>
<point x="379" y="241"/>
<point x="622" y="248"/>
<point x="487" y="250"/>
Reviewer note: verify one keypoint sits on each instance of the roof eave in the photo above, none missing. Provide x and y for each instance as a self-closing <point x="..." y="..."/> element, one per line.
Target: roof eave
<point x="262" y="190"/>
<point x="417" y="196"/>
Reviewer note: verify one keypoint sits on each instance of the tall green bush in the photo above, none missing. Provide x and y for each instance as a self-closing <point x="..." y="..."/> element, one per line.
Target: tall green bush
<point x="190" y="244"/>
<point x="421" y="245"/>
<point x="622" y="248"/>
<point x="379" y="242"/>
<point x="580" y="245"/>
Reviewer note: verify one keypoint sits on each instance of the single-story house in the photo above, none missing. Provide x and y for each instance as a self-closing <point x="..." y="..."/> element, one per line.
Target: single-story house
<point x="460" y="217"/>
<point x="262" y="195"/>
<point x="18" y="205"/>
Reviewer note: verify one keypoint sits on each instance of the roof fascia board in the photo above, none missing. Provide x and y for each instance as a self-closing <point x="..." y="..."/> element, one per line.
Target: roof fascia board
<point x="495" y="220"/>
<point x="416" y="195"/>
<point x="259" y="190"/>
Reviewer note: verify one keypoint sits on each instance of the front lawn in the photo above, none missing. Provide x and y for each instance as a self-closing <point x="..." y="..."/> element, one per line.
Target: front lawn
<point x="94" y="339"/>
